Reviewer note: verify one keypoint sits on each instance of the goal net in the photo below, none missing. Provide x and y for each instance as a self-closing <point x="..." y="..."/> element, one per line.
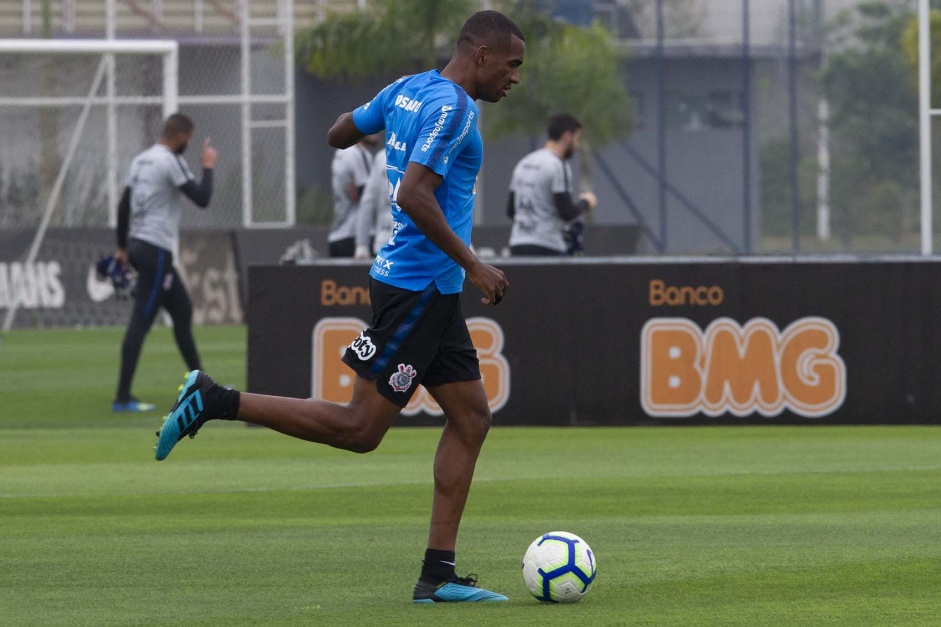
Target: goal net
<point x="74" y="110"/>
<point x="71" y="112"/>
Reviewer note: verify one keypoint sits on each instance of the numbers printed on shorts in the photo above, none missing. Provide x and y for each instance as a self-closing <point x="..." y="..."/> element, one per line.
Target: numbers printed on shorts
<point x="363" y="347"/>
<point x="331" y="380"/>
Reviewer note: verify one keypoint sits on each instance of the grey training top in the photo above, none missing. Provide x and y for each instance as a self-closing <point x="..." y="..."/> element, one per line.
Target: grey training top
<point x="536" y="221"/>
<point x="375" y="207"/>
<point x="155" y="178"/>
<point x="350" y="167"/>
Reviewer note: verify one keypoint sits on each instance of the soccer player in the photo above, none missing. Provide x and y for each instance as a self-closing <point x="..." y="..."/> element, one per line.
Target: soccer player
<point x="148" y="231"/>
<point x="540" y="201"/>
<point x="418" y="333"/>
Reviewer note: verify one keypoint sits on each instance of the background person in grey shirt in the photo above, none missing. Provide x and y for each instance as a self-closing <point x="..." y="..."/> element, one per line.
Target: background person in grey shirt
<point x="350" y="172"/>
<point x="374" y="222"/>
<point x="540" y="201"/>
<point x="148" y="233"/>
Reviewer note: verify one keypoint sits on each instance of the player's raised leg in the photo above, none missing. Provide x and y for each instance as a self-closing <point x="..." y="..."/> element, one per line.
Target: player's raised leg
<point x="358" y="426"/>
<point x="468" y="420"/>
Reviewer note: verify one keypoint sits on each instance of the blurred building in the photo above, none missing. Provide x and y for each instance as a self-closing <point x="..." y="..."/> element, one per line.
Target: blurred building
<point x="690" y="171"/>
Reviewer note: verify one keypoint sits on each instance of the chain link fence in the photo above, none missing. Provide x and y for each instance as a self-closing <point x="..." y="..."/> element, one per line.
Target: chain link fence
<point x="44" y="95"/>
<point x="771" y="126"/>
<point x="760" y="126"/>
<point x="235" y="80"/>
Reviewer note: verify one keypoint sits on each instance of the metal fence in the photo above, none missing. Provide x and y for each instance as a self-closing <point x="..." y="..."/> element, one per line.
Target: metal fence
<point x="760" y="126"/>
<point x="768" y="126"/>
<point x="236" y="79"/>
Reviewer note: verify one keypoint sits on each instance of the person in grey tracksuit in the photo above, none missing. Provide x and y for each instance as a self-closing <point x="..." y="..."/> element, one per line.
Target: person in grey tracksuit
<point x="148" y="233"/>
<point x="541" y="196"/>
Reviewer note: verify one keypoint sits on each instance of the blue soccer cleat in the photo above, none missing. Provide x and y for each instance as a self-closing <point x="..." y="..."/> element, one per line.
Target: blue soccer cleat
<point x="459" y="589"/>
<point x="132" y="405"/>
<point x="188" y="413"/>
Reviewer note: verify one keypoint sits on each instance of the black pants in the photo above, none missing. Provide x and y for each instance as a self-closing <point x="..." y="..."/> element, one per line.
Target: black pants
<point x="532" y="250"/>
<point x="343" y="247"/>
<point x="158" y="286"/>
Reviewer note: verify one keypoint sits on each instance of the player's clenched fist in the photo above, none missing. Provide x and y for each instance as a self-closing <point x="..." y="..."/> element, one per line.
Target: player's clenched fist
<point x="590" y="198"/>
<point x="209" y="156"/>
<point x="491" y="281"/>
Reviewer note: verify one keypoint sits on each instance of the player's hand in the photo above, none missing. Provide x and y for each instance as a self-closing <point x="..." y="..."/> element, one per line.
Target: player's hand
<point x="489" y="280"/>
<point x="362" y="252"/>
<point x="209" y="156"/>
<point x="120" y="255"/>
<point x="590" y="198"/>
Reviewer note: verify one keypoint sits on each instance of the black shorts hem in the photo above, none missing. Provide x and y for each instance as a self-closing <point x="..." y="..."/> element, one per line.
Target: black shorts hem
<point x="454" y="379"/>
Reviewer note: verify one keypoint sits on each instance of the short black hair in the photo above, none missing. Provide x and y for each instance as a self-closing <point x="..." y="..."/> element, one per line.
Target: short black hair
<point x="562" y="123"/>
<point x="177" y="124"/>
<point x="489" y="26"/>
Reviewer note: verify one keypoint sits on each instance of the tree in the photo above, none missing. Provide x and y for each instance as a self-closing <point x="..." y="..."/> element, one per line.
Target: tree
<point x="391" y="38"/>
<point x="681" y="18"/>
<point x="873" y="111"/>
<point x="567" y="67"/>
<point x="910" y="47"/>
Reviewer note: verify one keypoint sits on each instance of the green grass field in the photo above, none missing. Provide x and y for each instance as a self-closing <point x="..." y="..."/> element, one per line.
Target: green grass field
<point x="691" y="526"/>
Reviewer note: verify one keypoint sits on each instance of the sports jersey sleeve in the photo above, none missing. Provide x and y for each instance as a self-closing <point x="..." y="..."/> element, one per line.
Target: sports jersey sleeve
<point x="444" y="127"/>
<point x="176" y="170"/>
<point x="369" y="118"/>
<point x="559" y="181"/>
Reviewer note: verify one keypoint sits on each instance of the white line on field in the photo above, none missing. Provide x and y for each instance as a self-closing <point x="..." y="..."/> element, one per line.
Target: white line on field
<point x="373" y="484"/>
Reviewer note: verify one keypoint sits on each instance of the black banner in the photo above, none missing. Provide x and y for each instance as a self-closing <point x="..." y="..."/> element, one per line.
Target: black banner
<point x="60" y="287"/>
<point x="265" y="247"/>
<point x="620" y="342"/>
<point x="208" y="264"/>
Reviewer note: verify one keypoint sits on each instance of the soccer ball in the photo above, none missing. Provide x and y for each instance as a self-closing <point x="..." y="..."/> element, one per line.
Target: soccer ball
<point x="559" y="567"/>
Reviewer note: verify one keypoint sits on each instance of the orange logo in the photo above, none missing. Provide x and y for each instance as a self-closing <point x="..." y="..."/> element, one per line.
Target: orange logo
<point x="332" y="380"/>
<point x="659" y="293"/>
<point x="741" y="369"/>
<point x="331" y="294"/>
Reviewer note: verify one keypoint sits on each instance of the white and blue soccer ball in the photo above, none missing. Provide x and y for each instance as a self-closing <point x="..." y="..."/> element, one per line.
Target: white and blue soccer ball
<point x="559" y="567"/>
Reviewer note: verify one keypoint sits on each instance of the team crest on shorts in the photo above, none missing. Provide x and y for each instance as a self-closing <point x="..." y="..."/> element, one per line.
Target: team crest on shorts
<point x="402" y="380"/>
<point x="363" y="347"/>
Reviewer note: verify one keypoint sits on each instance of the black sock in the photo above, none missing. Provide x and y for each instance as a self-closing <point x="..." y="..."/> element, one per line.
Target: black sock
<point x="438" y="566"/>
<point x="228" y="401"/>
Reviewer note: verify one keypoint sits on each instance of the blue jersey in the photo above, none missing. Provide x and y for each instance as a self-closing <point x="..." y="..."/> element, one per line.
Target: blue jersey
<point x="431" y="121"/>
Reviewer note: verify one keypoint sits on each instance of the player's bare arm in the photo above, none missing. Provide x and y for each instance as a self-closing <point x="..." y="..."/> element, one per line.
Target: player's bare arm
<point x="344" y="133"/>
<point x="417" y="199"/>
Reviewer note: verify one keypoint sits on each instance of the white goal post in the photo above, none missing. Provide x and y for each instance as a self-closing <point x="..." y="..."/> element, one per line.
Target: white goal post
<point x="168" y="50"/>
<point x="925" y="113"/>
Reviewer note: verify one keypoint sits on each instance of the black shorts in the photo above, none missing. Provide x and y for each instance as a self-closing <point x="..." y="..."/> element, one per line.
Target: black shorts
<point x="415" y="338"/>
